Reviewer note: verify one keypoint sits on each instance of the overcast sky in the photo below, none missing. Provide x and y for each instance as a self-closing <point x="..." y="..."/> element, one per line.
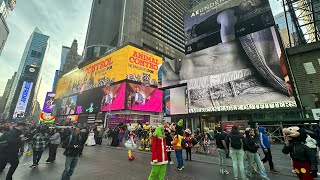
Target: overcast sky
<point x="62" y="20"/>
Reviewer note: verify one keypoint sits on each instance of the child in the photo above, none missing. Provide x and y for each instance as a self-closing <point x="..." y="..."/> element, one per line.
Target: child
<point x="206" y="142"/>
<point x="169" y="145"/>
<point x="189" y="144"/>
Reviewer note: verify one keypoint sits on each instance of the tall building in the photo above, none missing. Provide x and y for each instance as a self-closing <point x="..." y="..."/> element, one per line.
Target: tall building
<point x="27" y="75"/>
<point x="5" y="7"/>
<point x="55" y="81"/>
<point x="72" y="59"/>
<point x="154" y="25"/>
<point x="281" y="21"/>
<point x="64" y="53"/>
<point x="6" y="93"/>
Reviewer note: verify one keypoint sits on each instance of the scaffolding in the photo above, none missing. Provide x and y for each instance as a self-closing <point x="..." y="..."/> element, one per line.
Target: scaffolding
<point x="305" y="18"/>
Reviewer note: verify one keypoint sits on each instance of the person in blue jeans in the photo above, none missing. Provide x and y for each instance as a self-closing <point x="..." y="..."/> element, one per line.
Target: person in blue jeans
<point x="177" y="145"/>
<point x="72" y="145"/>
<point x="237" y="143"/>
<point x="253" y="155"/>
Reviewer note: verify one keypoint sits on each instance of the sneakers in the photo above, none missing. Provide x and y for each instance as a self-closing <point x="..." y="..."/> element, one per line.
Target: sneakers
<point x="180" y="169"/>
<point x="221" y="171"/>
<point x="171" y="162"/>
<point x="48" y="162"/>
<point x="274" y="171"/>
<point x="33" y="166"/>
<point x="225" y="172"/>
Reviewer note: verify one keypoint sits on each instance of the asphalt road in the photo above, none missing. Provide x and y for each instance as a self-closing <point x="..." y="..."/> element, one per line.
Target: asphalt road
<point x="101" y="162"/>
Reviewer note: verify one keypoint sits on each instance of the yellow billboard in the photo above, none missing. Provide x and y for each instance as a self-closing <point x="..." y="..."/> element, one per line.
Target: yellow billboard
<point x="126" y="63"/>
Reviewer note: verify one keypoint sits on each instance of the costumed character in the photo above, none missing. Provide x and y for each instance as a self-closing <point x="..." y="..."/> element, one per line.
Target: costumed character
<point x="90" y="140"/>
<point x="146" y="138"/>
<point x="300" y="154"/>
<point x="131" y="142"/>
<point x="159" y="159"/>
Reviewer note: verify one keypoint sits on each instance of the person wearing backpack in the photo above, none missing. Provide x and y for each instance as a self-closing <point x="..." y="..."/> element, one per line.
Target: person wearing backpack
<point x="9" y="148"/>
<point x="72" y="146"/>
<point x="237" y="144"/>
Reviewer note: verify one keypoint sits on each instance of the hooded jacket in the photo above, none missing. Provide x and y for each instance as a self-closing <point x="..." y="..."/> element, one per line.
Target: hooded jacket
<point x="263" y="138"/>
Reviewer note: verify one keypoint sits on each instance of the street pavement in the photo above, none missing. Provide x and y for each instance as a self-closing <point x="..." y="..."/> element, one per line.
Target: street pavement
<point x="103" y="162"/>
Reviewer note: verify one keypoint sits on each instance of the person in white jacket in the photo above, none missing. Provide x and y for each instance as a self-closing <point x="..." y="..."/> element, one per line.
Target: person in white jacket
<point x="312" y="144"/>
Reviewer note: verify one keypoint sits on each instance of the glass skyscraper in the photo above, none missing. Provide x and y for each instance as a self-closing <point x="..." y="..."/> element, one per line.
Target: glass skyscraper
<point x="33" y="55"/>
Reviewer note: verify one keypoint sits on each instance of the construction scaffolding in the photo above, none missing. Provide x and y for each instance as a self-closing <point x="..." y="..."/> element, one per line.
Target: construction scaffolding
<point x="305" y="16"/>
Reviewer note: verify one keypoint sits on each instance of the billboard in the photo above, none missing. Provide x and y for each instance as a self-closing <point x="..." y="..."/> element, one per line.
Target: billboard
<point x="316" y="114"/>
<point x="22" y="103"/>
<point x="68" y="105"/>
<point x="143" y="98"/>
<point x="176" y="101"/>
<point x="48" y="102"/>
<point x="126" y="63"/>
<point x="213" y="22"/>
<point x="105" y="98"/>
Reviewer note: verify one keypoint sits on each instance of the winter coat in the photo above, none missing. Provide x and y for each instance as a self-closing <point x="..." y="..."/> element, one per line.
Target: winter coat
<point x="263" y="138"/>
<point x="159" y="154"/>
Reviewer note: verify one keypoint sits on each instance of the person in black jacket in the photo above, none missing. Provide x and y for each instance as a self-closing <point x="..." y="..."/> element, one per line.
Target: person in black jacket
<point x="9" y="154"/>
<point x="72" y="144"/>
<point x="169" y="146"/>
<point x="253" y="155"/>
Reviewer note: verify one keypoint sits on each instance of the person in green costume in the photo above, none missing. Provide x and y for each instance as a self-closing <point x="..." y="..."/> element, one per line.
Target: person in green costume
<point x="159" y="159"/>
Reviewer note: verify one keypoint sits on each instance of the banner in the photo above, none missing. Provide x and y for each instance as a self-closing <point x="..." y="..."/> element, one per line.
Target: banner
<point x="23" y="99"/>
<point x="155" y="120"/>
<point x="316" y="114"/>
<point x="126" y="63"/>
<point x="143" y="98"/>
<point x="47" y="118"/>
<point x="216" y="21"/>
<point x="48" y="102"/>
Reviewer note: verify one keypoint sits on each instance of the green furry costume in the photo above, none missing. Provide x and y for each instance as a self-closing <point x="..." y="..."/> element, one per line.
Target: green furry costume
<point x="159" y="159"/>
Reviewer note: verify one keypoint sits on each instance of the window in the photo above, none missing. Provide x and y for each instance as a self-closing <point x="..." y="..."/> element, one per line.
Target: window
<point x="36" y="54"/>
<point x="309" y="68"/>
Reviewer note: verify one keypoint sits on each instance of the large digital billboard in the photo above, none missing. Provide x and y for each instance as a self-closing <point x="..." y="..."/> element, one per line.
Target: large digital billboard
<point x="143" y="98"/>
<point x="22" y="103"/>
<point x="48" y="102"/>
<point x="213" y="22"/>
<point x="176" y="101"/>
<point x="68" y="105"/>
<point x="126" y="63"/>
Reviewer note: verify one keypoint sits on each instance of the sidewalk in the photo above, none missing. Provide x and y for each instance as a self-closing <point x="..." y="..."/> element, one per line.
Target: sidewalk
<point x="281" y="161"/>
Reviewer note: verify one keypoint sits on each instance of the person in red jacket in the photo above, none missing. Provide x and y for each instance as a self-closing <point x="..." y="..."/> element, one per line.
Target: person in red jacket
<point x="159" y="159"/>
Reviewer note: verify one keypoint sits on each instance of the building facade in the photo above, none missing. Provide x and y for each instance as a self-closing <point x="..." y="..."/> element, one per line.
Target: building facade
<point x="154" y="25"/>
<point x="64" y="53"/>
<point x="287" y="35"/>
<point x="33" y="56"/>
<point x="5" y="7"/>
<point x="72" y="59"/>
<point x="6" y="93"/>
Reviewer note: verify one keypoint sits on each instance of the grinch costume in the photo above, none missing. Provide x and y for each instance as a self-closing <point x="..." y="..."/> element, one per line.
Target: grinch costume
<point x="159" y="159"/>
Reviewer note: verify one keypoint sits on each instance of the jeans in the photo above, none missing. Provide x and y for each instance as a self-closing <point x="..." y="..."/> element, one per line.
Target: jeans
<point x="13" y="160"/>
<point x="222" y="158"/>
<point x="70" y="165"/>
<point x="179" y="157"/>
<point x="52" y="152"/>
<point x="268" y="157"/>
<point x="254" y="157"/>
<point x="36" y="157"/>
<point x="237" y="156"/>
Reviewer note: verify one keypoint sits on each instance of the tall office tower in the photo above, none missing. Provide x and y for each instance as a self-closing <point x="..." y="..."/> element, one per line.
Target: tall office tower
<point x="154" y="25"/>
<point x="193" y="3"/>
<point x="6" y="92"/>
<point x="281" y="21"/>
<point x="5" y="7"/>
<point x="23" y="88"/>
<point x="72" y="59"/>
<point x="55" y="81"/>
<point x="64" y="53"/>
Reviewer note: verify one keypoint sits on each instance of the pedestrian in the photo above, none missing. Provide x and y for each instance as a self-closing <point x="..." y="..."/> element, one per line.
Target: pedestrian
<point x="169" y="147"/>
<point x="159" y="159"/>
<point x="253" y="155"/>
<point x="121" y="135"/>
<point x="177" y="144"/>
<point x="222" y="148"/>
<point x="84" y="137"/>
<point x="91" y="140"/>
<point x="312" y="144"/>
<point x="39" y="143"/>
<point x="72" y="146"/>
<point x="9" y="148"/>
<point x="55" y="141"/>
<point x="188" y="139"/>
<point x="206" y="143"/>
<point x="237" y="144"/>
<point x="264" y="142"/>
<point x="100" y="135"/>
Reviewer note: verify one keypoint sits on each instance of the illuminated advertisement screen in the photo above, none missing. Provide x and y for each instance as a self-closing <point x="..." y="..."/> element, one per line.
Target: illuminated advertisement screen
<point x="176" y="101"/>
<point x="22" y="103"/>
<point x="48" y="102"/>
<point x="68" y="105"/>
<point x="126" y="63"/>
<point x="213" y="22"/>
<point x="105" y="98"/>
<point x="143" y="98"/>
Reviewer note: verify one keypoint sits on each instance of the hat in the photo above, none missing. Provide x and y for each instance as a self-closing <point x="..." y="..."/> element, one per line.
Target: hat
<point x="188" y="131"/>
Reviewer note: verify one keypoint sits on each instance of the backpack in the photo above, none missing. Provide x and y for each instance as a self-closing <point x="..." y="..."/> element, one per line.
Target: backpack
<point x="236" y="141"/>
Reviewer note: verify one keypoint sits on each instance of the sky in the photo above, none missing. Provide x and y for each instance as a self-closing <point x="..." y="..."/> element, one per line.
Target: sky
<point x="63" y="21"/>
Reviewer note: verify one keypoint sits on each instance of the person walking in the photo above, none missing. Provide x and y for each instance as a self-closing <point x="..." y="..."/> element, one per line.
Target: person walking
<point x="237" y="144"/>
<point x="222" y="148"/>
<point x="39" y="143"/>
<point x="72" y="146"/>
<point x="253" y="155"/>
<point x="55" y="141"/>
<point x="9" y="149"/>
<point x="264" y="141"/>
